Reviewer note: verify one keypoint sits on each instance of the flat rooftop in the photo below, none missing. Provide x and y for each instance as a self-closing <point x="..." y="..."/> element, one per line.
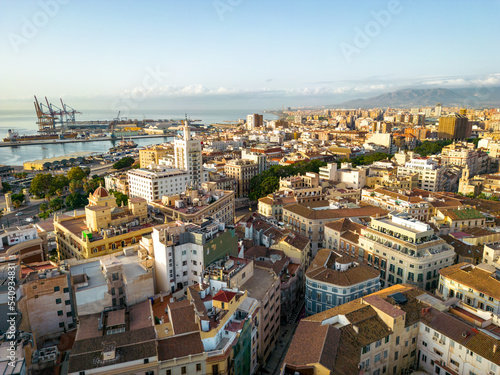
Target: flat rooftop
<point x="258" y="285"/>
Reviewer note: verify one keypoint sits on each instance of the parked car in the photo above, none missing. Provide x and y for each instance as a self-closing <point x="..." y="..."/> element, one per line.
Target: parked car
<point x="28" y="220"/>
<point x="19" y="213"/>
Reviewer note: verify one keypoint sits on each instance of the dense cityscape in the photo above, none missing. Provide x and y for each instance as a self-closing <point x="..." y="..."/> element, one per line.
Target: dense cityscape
<point x="368" y="237"/>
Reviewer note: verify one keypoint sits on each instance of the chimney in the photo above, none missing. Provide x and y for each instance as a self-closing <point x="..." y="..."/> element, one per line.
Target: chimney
<point x="355" y="328"/>
<point x="495" y="348"/>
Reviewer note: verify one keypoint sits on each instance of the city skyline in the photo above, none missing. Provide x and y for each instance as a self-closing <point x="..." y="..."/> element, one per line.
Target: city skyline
<point x="240" y="54"/>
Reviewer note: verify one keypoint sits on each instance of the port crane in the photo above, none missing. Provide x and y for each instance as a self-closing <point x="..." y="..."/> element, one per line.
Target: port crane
<point x="50" y="116"/>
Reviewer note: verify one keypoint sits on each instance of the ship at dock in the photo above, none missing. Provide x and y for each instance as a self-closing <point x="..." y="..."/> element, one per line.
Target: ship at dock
<point x="123" y="145"/>
<point x="14" y="137"/>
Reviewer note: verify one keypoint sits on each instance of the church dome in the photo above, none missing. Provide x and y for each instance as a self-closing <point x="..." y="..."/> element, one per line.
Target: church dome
<point x="100" y="192"/>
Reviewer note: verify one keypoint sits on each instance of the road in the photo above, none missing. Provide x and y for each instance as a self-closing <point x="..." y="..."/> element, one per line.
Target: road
<point x="11" y="219"/>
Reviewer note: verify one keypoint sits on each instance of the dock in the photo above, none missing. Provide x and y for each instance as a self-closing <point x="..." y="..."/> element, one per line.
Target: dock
<point x="58" y="141"/>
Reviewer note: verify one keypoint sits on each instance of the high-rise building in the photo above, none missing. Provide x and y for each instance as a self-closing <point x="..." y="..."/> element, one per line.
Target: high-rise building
<point x="453" y="126"/>
<point x="187" y="153"/>
<point x="254" y="121"/>
<point x="437" y="110"/>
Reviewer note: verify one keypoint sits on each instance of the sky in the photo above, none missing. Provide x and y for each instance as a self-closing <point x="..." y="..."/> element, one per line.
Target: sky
<point x="220" y="54"/>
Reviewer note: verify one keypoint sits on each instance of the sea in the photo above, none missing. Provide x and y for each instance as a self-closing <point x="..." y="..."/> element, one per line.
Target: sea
<point x="24" y="123"/>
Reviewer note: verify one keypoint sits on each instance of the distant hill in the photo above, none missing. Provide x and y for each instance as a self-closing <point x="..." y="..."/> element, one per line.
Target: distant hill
<point x="464" y="97"/>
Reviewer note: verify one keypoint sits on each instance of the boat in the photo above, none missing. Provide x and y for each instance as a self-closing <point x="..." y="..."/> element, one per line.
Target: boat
<point x="123" y="145"/>
<point x="14" y="137"/>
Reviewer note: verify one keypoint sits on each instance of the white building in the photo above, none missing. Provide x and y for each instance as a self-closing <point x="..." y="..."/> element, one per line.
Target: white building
<point x="256" y="157"/>
<point x="152" y="185"/>
<point x="187" y="153"/>
<point x="430" y="174"/>
<point x="329" y="172"/>
<point x="354" y="178"/>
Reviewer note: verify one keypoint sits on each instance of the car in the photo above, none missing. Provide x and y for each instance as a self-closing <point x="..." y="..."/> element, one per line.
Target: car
<point x="19" y="214"/>
<point x="28" y="220"/>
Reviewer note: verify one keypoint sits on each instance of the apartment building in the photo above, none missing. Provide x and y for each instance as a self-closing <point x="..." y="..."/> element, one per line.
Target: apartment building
<point x="256" y="157"/>
<point x="405" y="250"/>
<point x="454" y="126"/>
<point x="264" y="287"/>
<point x="310" y="222"/>
<point x="153" y="185"/>
<point x="103" y="229"/>
<point x="46" y="301"/>
<point x="111" y="281"/>
<point x="152" y="155"/>
<point x="117" y="182"/>
<point x="254" y="121"/>
<point x="271" y="206"/>
<point x="430" y="174"/>
<point x="116" y="341"/>
<point x="183" y="251"/>
<point x="24" y="243"/>
<point x="465" y="155"/>
<point x="354" y="178"/>
<point x="334" y="278"/>
<point x="476" y="286"/>
<point x="450" y="221"/>
<point x="305" y="188"/>
<point x="242" y="170"/>
<point x="227" y="322"/>
<point x="402" y="201"/>
<point x="196" y="205"/>
<point x="397" y="330"/>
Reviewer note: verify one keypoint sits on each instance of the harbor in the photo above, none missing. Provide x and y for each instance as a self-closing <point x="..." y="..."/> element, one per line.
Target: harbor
<point x="17" y="155"/>
<point x="79" y="140"/>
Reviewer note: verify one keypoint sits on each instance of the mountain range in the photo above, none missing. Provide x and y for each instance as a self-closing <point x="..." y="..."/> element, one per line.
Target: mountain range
<point x="470" y="97"/>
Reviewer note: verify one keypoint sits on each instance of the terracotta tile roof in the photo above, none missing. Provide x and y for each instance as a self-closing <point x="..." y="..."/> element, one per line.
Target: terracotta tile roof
<point x="313" y="343"/>
<point x="462" y="249"/>
<point x="321" y="269"/>
<point x="473" y="277"/>
<point x="180" y="346"/>
<point x="182" y="317"/>
<point x="381" y="304"/>
<point x="224" y="296"/>
<point x="365" y="211"/>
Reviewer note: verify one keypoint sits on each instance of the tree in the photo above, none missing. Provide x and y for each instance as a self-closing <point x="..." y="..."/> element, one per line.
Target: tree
<point x="87" y="171"/>
<point x="120" y="198"/>
<point x="76" y="200"/>
<point x="43" y="207"/>
<point x="40" y="184"/>
<point x="56" y="204"/>
<point x="268" y="182"/>
<point x="76" y="173"/>
<point x="18" y="197"/>
<point x="124" y="163"/>
<point x="6" y="187"/>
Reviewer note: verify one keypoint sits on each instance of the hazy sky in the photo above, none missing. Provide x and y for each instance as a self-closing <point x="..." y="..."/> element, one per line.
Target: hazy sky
<point x="240" y="53"/>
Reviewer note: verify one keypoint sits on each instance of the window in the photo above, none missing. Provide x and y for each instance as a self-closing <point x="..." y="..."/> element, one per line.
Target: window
<point x="366" y="349"/>
<point x="66" y="290"/>
<point x="67" y="302"/>
<point x="183" y="370"/>
<point x="397" y="340"/>
<point x="198" y="367"/>
<point x="56" y="289"/>
<point x="396" y="355"/>
<point x="169" y="372"/>
<point x="58" y="301"/>
<point x="378" y="343"/>
<point x="61" y="324"/>
<point x="377" y="358"/>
